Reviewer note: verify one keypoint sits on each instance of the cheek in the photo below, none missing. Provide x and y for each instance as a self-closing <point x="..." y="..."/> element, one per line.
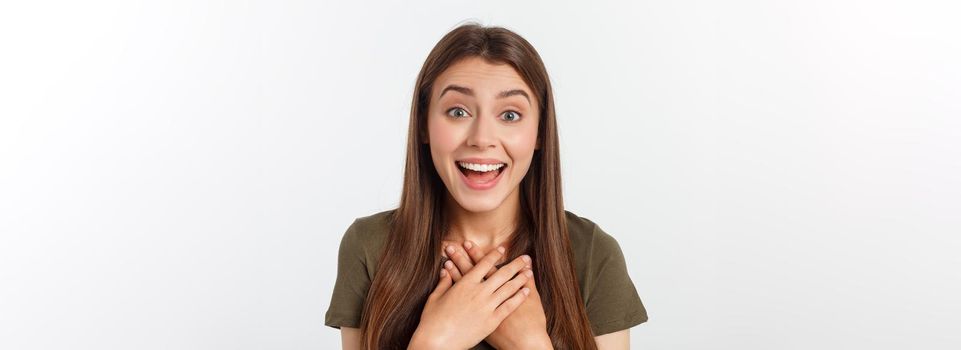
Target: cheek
<point x="521" y="144"/>
<point x="443" y="137"/>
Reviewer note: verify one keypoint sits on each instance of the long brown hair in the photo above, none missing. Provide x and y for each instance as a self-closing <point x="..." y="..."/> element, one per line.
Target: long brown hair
<point x="411" y="259"/>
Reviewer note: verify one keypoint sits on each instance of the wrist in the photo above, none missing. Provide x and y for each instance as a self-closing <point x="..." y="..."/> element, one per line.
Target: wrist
<point x="418" y="342"/>
<point x="422" y="341"/>
<point x="539" y="342"/>
<point x="542" y="342"/>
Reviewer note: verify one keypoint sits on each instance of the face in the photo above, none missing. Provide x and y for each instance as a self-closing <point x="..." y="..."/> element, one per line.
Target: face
<point x="482" y="130"/>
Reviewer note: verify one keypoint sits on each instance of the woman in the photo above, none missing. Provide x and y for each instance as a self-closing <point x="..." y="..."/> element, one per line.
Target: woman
<point x="480" y="253"/>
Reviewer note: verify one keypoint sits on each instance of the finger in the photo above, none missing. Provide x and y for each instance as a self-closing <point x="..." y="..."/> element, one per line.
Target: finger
<point x="460" y="259"/>
<point x="443" y="250"/>
<point x="506" y="308"/>
<point x="507" y="272"/>
<point x="473" y="251"/>
<point x="530" y="281"/>
<point x="476" y="255"/>
<point x="452" y="270"/>
<point x="443" y="285"/>
<point x="512" y="286"/>
<point x="485" y="264"/>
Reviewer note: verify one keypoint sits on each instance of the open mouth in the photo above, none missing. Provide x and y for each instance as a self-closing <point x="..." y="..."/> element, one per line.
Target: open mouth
<point x="480" y="173"/>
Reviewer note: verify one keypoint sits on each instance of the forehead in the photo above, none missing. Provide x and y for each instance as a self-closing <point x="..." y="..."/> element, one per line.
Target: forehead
<point x="480" y="75"/>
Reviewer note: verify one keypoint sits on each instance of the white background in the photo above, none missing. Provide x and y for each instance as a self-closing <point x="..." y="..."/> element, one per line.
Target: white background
<point x="780" y="174"/>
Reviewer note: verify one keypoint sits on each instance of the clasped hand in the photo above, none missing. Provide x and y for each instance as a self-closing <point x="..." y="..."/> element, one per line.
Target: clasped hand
<point x="474" y="301"/>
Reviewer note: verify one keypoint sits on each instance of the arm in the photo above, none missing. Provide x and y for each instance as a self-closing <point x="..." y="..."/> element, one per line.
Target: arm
<point x="613" y="303"/>
<point x="350" y="338"/>
<point x="614" y="341"/>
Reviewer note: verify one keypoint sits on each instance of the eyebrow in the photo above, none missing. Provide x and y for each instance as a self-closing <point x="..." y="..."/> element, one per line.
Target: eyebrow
<point x="467" y="91"/>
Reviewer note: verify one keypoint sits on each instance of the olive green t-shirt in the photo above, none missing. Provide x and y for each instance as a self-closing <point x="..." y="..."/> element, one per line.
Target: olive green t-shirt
<point x="609" y="295"/>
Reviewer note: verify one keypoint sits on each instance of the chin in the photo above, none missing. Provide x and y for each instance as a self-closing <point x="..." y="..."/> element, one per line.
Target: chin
<point x="481" y="204"/>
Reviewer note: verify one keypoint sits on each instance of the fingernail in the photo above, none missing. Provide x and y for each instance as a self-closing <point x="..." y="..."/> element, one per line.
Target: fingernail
<point x="500" y="249"/>
<point x="448" y="264"/>
<point x="526" y="291"/>
<point x="450" y="250"/>
<point x="529" y="273"/>
<point x="443" y="273"/>
<point x="468" y="244"/>
<point x="526" y="258"/>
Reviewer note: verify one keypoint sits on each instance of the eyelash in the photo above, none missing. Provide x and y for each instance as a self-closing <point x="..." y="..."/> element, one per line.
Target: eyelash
<point x="519" y="115"/>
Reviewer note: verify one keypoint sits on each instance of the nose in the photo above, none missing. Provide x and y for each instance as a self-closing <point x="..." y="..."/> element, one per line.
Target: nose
<point x="482" y="132"/>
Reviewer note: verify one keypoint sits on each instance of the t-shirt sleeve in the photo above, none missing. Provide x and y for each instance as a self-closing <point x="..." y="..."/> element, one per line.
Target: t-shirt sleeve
<point x="613" y="303"/>
<point x="353" y="282"/>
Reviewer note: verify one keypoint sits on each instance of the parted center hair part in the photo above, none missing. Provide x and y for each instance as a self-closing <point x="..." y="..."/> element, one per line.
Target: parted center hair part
<point x="411" y="258"/>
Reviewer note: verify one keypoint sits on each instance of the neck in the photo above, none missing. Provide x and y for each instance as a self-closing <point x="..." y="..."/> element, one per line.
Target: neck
<point x="487" y="230"/>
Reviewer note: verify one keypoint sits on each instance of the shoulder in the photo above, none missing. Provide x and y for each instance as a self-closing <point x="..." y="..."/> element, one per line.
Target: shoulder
<point x="371" y="226"/>
<point x="365" y="236"/>
<point x="356" y="266"/>
<point x="607" y="290"/>
<point x="587" y="237"/>
<point x="594" y="250"/>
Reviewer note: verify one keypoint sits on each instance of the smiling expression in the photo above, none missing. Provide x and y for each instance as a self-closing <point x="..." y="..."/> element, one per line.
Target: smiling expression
<point x="482" y="116"/>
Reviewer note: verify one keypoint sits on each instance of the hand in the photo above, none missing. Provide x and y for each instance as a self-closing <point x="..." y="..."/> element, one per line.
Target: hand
<point x="526" y="327"/>
<point x="460" y="316"/>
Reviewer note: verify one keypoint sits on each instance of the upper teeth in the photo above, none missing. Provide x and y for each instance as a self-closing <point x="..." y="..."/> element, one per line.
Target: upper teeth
<point x="480" y="167"/>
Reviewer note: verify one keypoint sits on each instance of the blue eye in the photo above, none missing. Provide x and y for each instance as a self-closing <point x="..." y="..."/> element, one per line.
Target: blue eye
<point x="457" y="112"/>
<point x="516" y="116"/>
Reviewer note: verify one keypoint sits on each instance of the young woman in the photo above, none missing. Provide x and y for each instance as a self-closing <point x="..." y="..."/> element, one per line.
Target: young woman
<point x="480" y="253"/>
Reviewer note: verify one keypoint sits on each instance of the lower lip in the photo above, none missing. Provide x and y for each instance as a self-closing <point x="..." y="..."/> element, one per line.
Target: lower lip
<point x="483" y="186"/>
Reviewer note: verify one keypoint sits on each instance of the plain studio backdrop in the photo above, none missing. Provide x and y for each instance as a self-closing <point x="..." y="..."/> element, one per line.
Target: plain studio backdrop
<point x="779" y="174"/>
